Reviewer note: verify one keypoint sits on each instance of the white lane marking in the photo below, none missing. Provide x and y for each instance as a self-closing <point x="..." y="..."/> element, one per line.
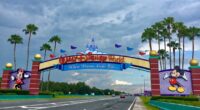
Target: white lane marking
<point x="56" y="104"/>
<point x="85" y="101"/>
<point x="132" y="104"/>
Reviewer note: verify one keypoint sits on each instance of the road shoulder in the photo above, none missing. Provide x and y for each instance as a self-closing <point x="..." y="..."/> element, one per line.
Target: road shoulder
<point x="138" y="105"/>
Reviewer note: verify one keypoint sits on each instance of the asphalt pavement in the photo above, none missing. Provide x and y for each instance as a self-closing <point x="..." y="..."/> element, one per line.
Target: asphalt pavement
<point x="103" y="103"/>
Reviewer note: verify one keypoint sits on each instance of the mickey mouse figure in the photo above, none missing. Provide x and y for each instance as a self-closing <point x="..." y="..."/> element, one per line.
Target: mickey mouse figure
<point x="173" y="76"/>
<point x="19" y="78"/>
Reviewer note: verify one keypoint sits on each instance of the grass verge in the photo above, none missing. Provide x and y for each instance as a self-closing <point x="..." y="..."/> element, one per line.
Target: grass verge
<point x="146" y="101"/>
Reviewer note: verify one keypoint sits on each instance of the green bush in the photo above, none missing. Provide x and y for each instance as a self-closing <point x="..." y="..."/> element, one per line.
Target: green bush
<point x="58" y="93"/>
<point x="13" y="92"/>
<point x="186" y="98"/>
<point x="50" y="93"/>
<point x="45" y="93"/>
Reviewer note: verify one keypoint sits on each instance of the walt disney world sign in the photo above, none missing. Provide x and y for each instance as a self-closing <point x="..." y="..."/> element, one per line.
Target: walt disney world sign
<point x="94" y="61"/>
<point x="90" y="57"/>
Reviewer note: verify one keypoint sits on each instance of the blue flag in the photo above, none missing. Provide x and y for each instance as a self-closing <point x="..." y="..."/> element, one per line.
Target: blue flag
<point x="73" y="47"/>
<point x="117" y="46"/>
<point x="129" y="48"/>
<point x="62" y="51"/>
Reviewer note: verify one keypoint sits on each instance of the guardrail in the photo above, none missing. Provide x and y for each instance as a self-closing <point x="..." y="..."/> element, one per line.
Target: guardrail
<point x="18" y="97"/>
<point x="172" y="106"/>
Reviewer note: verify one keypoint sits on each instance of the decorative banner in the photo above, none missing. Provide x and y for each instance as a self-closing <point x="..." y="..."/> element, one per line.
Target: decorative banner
<point x="62" y="51"/>
<point x="73" y="47"/>
<point x="20" y="80"/>
<point x="129" y="48"/>
<point x="175" y="82"/>
<point x="78" y="66"/>
<point x="142" y="53"/>
<point x="52" y="56"/>
<point x="117" y="46"/>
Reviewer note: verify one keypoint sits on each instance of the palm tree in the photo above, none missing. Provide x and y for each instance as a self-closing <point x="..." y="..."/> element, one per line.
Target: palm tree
<point x="169" y="22"/>
<point x="181" y="33"/>
<point x="55" y="39"/>
<point x="178" y="27"/>
<point x="169" y="45"/>
<point x="185" y="33"/>
<point x="148" y="35"/>
<point x="15" y="39"/>
<point x="30" y="30"/>
<point x="163" y="55"/>
<point x="174" y="46"/>
<point x="193" y="32"/>
<point x="165" y="36"/>
<point x="45" y="47"/>
<point x="158" y="27"/>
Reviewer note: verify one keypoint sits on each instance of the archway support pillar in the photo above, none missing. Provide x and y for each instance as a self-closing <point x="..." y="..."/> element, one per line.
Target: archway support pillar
<point x="34" y="86"/>
<point x="155" y="80"/>
<point x="195" y="77"/>
<point x="6" y="78"/>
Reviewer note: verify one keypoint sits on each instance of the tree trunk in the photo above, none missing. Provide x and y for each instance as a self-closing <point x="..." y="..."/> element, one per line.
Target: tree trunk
<point x="27" y="59"/>
<point x="165" y="50"/>
<point x="170" y="60"/>
<point x="163" y="60"/>
<point x="15" y="56"/>
<point x="43" y="72"/>
<point x="193" y="48"/>
<point x="174" y="56"/>
<point x="183" y="59"/>
<point x="150" y="45"/>
<point x="48" y="80"/>
<point x="179" y="49"/>
<point x="49" y="75"/>
<point x="158" y="50"/>
<point x="54" y="48"/>
<point x="45" y="52"/>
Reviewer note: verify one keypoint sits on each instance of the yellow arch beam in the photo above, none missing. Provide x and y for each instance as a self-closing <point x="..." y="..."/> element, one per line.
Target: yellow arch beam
<point x="141" y="63"/>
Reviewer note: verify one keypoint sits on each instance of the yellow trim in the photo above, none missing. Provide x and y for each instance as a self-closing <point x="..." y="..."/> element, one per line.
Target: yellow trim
<point x="130" y="60"/>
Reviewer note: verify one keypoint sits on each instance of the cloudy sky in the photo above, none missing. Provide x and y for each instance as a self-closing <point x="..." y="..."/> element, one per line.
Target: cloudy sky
<point x="77" y="21"/>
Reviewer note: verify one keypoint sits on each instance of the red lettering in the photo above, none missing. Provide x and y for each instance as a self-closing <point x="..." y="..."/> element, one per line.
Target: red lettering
<point x="62" y="60"/>
<point x="90" y="57"/>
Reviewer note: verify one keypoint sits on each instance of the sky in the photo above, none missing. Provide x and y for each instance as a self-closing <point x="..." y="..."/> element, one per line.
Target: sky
<point x="107" y="21"/>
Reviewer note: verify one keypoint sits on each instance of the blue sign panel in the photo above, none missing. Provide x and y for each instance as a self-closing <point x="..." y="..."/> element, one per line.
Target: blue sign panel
<point x="78" y="66"/>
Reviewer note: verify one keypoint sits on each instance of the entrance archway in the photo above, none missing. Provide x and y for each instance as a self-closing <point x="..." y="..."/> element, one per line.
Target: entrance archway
<point x="111" y="62"/>
<point x="88" y="61"/>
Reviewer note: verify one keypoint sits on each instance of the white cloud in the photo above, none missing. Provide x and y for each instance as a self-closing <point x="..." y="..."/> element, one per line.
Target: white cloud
<point x="75" y="74"/>
<point x="118" y="82"/>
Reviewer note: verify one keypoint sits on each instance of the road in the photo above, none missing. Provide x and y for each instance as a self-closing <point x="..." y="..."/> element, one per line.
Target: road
<point x="104" y="103"/>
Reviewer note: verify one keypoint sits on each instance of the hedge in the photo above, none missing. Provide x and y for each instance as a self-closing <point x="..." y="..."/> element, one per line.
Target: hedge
<point x="187" y="98"/>
<point x="13" y="92"/>
<point x="46" y="93"/>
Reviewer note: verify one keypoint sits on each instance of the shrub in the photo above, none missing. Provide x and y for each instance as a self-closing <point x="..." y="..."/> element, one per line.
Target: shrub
<point x="51" y="93"/>
<point x="186" y="98"/>
<point x="13" y="92"/>
<point x="45" y="93"/>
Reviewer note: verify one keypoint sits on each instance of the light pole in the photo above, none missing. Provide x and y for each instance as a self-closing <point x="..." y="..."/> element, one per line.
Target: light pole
<point x="143" y="83"/>
<point x="144" y="86"/>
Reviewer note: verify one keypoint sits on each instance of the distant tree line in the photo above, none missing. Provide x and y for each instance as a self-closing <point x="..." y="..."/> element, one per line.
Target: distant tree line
<point x="76" y="88"/>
